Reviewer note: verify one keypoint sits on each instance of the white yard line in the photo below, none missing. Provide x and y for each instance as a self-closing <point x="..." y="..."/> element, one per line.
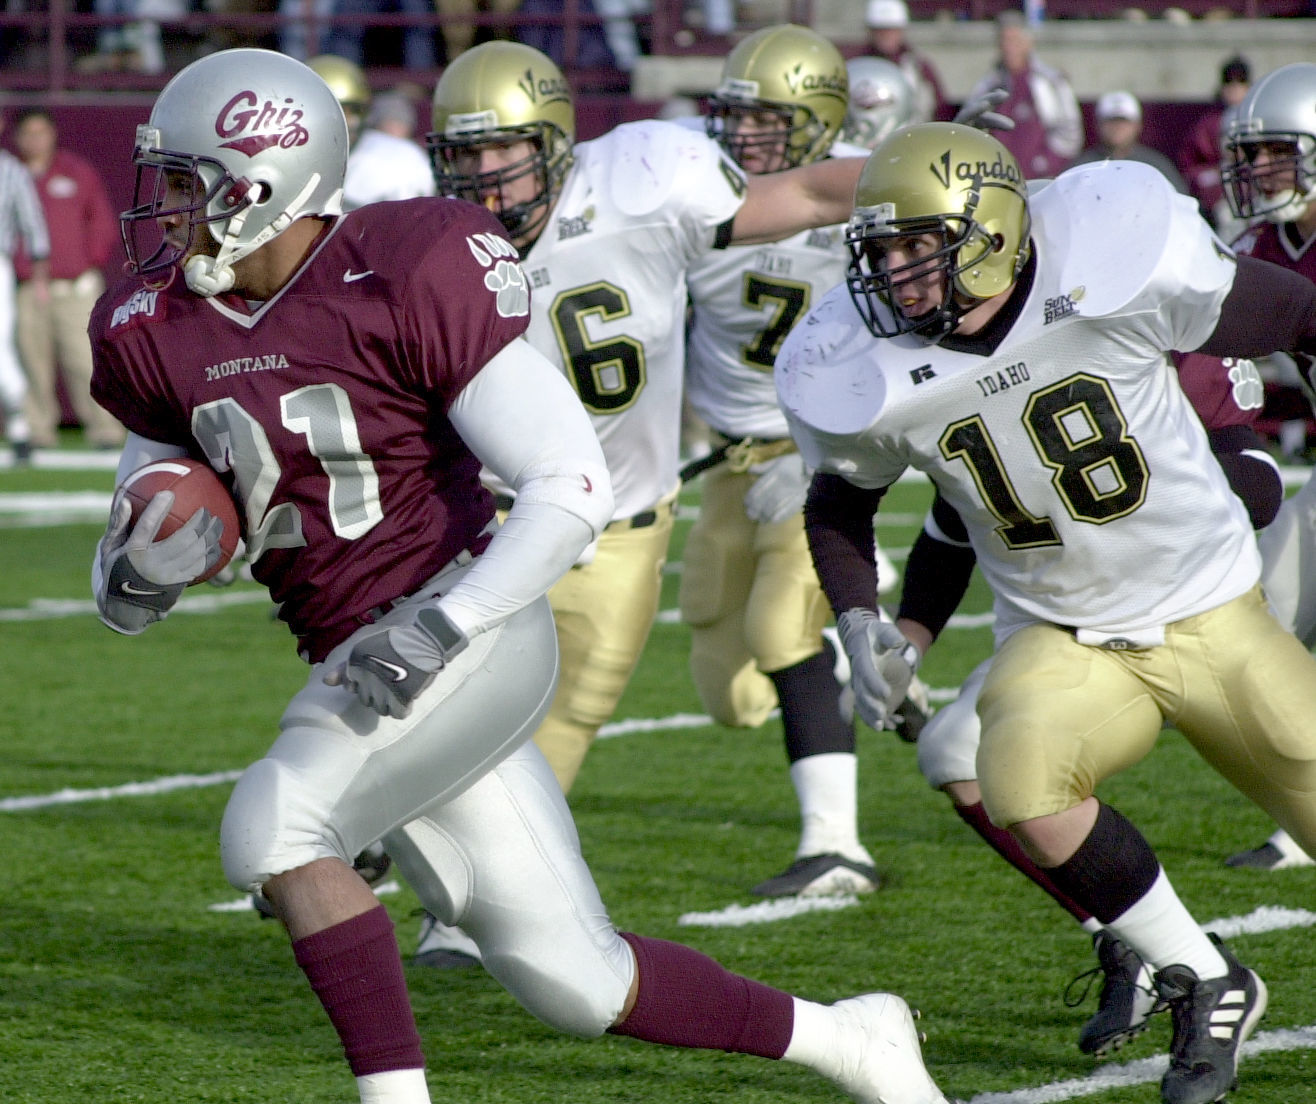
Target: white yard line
<point x="1142" y="1071"/>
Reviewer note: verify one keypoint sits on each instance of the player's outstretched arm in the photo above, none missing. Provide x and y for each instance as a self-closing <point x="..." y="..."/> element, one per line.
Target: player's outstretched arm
<point x="778" y="205"/>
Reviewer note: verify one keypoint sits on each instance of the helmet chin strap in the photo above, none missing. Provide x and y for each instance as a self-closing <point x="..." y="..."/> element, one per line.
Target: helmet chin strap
<point x="208" y="276"/>
<point x="1292" y="209"/>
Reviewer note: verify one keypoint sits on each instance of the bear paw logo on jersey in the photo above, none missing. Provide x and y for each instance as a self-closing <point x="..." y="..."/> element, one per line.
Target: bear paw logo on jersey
<point x="1249" y="389"/>
<point x="505" y="277"/>
<point x="507" y="282"/>
<point x="251" y="125"/>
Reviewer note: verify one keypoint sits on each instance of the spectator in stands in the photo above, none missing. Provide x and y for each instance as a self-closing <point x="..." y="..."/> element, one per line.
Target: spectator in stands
<point x="1119" y="128"/>
<point x="137" y="45"/>
<point x="461" y="36"/>
<point x="1200" y="155"/>
<point x="612" y="44"/>
<point x="53" y="315"/>
<point x="21" y="221"/>
<point x="887" y="20"/>
<point x="348" y="39"/>
<point x="312" y="30"/>
<point x="1048" y="126"/>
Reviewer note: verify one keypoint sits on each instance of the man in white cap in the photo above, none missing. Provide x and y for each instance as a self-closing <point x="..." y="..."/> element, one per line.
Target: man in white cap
<point x="886" y="21"/>
<point x="1119" y="128"/>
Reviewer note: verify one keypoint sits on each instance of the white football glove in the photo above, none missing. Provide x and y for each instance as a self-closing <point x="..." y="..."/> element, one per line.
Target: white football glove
<point x="978" y="112"/>
<point x="780" y="489"/>
<point x="882" y="665"/>
<point x="140" y="578"/>
<point x="389" y="669"/>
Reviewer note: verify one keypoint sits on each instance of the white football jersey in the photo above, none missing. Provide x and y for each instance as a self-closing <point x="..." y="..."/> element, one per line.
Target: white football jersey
<point x="608" y="289"/>
<point x="746" y="299"/>
<point x="1084" y="476"/>
<point x="383" y="166"/>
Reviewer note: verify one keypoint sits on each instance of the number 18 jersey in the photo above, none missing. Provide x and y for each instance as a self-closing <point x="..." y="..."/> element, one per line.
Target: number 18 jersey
<point x="1061" y="435"/>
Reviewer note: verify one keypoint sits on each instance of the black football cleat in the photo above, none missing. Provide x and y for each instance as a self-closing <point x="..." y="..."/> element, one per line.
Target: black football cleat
<point x="826" y="875"/>
<point x="1212" y="1019"/>
<point x="1125" y="1002"/>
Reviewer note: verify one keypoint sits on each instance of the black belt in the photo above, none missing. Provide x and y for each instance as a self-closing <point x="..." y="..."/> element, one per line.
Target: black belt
<point x="642" y="520"/>
<point x="719" y="454"/>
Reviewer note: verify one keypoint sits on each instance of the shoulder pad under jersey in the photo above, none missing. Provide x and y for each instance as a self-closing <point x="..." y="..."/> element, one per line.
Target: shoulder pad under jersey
<point x="827" y="372"/>
<point x="1108" y="224"/>
<point x="641" y="165"/>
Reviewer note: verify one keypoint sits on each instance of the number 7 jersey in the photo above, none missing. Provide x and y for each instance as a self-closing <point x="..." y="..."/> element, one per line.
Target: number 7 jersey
<point x="1061" y="434"/>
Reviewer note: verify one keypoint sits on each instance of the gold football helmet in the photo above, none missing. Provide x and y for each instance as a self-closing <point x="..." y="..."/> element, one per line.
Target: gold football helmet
<point x="944" y="179"/>
<point x="791" y="73"/>
<point x="495" y="94"/>
<point x="348" y="84"/>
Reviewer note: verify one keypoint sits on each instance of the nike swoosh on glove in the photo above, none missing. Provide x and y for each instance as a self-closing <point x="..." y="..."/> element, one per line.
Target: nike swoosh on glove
<point x="883" y="662"/>
<point x="389" y="669"/>
<point x="142" y="577"/>
<point x="780" y="489"/>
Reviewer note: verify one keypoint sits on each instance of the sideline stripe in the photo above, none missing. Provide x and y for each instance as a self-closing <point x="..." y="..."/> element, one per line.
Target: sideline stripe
<point x="128" y="789"/>
<point x="244" y="904"/>
<point x="1142" y="1071"/>
<point x="766" y="912"/>
<point x="48" y="609"/>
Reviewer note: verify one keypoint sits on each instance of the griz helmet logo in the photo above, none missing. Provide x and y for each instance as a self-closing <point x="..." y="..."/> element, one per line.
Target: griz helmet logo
<point x="837" y="83"/>
<point x="978" y="173"/>
<point x="252" y="126"/>
<point x="544" y="90"/>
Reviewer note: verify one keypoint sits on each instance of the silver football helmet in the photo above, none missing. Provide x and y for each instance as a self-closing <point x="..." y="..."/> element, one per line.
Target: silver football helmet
<point x="241" y="143"/>
<point x="881" y="99"/>
<point x="1270" y="146"/>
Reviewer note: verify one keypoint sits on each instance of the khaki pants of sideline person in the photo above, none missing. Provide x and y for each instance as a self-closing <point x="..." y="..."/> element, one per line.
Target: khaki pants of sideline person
<point x="53" y="336"/>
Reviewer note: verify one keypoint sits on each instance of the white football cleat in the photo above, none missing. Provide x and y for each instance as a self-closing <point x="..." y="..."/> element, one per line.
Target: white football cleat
<point x="444" y="946"/>
<point x="879" y="1060"/>
<point x="1280" y="852"/>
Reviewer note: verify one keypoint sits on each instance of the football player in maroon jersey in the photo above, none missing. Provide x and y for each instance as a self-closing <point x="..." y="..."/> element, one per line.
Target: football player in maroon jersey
<point x="1270" y="181"/>
<point x="349" y="375"/>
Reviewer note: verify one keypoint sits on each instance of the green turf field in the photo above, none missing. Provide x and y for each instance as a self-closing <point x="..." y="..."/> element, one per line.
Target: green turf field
<point x="119" y="982"/>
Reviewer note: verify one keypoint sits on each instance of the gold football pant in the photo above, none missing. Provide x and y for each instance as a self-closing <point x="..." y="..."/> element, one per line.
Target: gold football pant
<point x="603" y="611"/>
<point x="1058" y="717"/>
<point x="752" y="600"/>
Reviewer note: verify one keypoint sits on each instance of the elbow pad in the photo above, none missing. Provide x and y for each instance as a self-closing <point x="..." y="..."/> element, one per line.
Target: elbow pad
<point x="580" y="487"/>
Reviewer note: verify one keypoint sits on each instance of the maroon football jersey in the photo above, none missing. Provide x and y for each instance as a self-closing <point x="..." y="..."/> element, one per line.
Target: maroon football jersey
<point x="327" y="406"/>
<point x="1263" y="241"/>
<point x="1223" y="392"/>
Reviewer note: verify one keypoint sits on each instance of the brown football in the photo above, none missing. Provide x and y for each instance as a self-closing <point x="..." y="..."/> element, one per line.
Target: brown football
<point x="195" y="487"/>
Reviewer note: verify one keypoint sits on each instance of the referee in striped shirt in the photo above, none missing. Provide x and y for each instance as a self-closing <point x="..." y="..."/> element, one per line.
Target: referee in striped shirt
<point x="21" y="218"/>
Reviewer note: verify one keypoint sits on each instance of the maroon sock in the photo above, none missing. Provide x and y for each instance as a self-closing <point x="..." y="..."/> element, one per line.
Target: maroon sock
<point x="687" y="999"/>
<point x="1005" y="845"/>
<point x="355" y="969"/>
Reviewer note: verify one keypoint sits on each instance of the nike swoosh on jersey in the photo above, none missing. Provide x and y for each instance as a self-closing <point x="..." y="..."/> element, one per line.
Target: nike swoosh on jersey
<point x="350" y="277"/>
<point x="396" y="673"/>
<point x="127" y="588"/>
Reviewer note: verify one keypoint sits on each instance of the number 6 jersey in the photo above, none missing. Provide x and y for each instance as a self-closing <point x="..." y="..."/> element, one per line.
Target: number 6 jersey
<point x="608" y="279"/>
<point x="1060" y="433"/>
